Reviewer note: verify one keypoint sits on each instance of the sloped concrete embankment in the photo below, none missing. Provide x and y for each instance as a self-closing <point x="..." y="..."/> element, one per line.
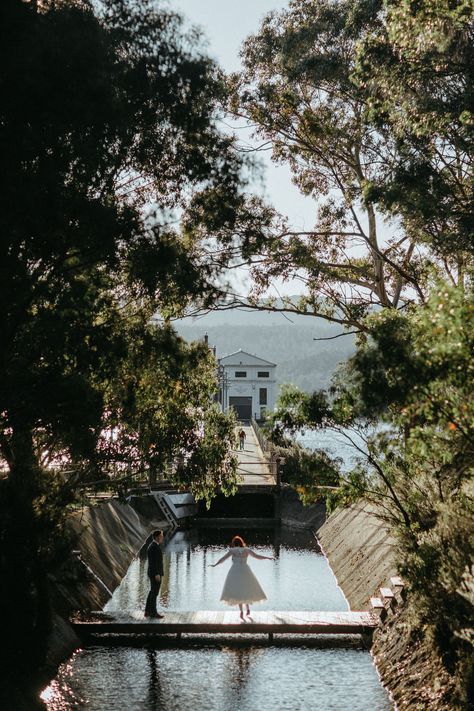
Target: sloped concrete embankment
<point x="360" y="552"/>
<point x="362" y="556"/>
<point x="108" y="537"/>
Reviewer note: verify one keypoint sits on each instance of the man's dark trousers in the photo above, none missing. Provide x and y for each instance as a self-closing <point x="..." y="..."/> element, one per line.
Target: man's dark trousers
<point x="150" y="606"/>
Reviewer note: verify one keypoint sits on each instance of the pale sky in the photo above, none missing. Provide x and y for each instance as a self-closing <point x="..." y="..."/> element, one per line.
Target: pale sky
<point x="226" y="24"/>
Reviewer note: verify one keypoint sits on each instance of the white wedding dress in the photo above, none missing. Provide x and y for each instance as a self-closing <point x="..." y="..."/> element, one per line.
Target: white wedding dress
<point x="241" y="586"/>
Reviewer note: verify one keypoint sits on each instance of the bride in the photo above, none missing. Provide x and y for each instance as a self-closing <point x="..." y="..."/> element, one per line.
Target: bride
<point x="241" y="587"/>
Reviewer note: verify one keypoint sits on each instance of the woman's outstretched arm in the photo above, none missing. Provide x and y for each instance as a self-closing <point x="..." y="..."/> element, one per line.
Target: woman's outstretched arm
<point x="221" y="560"/>
<point x="260" y="557"/>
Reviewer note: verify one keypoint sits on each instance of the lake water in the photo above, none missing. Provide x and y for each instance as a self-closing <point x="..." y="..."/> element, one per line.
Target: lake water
<point x="334" y="443"/>
<point x="226" y="673"/>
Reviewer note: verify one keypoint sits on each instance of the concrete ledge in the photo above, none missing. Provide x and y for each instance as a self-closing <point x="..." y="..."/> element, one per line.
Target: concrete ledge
<point x="217" y="622"/>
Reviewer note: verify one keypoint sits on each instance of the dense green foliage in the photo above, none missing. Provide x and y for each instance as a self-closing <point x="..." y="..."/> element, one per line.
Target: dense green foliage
<point x="159" y="416"/>
<point x="313" y="474"/>
<point x="429" y="388"/>
<point x="409" y="392"/>
<point x="110" y="112"/>
<point x="370" y="103"/>
<point x="107" y="125"/>
<point x="418" y="68"/>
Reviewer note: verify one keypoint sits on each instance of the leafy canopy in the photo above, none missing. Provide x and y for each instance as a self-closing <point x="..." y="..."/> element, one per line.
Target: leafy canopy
<point x="114" y="125"/>
<point x="108" y="130"/>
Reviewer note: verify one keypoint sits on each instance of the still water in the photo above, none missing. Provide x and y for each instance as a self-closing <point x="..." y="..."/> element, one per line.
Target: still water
<point x="335" y="444"/>
<point x="226" y="673"/>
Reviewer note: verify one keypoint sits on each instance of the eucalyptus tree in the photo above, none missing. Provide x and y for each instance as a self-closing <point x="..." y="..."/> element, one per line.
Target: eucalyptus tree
<point x="371" y="105"/>
<point x="417" y="68"/>
<point x="297" y="90"/>
<point x="416" y="375"/>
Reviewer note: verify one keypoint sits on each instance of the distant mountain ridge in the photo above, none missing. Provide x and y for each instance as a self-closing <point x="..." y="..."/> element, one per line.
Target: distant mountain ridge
<point x="288" y="342"/>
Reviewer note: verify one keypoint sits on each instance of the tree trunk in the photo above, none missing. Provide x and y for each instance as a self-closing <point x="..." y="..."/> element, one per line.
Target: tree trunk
<point x="377" y="260"/>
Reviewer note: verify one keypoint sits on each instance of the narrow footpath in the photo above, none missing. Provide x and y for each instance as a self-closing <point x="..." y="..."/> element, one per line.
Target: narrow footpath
<point x="253" y="469"/>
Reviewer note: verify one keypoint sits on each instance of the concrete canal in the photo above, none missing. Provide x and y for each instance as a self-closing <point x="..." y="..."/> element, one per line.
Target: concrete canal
<point x="217" y="672"/>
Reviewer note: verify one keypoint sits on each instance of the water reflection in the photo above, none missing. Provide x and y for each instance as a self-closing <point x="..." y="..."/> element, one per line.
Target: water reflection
<point x="225" y="673"/>
<point x="155" y="695"/>
<point x="238" y="671"/>
<point x="299" y="578"/>
<point x="247" y="678"/>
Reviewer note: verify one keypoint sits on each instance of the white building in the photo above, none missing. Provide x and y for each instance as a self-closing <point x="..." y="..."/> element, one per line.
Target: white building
<point x="247" y="384"/>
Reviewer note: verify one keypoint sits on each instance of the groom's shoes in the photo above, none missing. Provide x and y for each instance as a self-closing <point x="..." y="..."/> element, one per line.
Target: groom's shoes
<point x="153" y="615"/>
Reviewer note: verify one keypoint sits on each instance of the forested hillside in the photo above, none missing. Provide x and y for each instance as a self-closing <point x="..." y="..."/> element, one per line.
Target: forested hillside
<point x="290" y="344"/>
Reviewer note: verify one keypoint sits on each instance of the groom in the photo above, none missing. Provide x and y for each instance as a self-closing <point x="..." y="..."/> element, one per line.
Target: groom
<point x="155" y="573"/>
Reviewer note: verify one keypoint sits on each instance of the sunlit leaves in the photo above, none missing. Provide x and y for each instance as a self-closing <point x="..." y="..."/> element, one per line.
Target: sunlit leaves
<point x="418" y="69"/>
<point x="299" y="93"/>
<point x="160" y="420"/>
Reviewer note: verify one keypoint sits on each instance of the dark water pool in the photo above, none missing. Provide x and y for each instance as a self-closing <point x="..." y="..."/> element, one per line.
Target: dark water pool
<point x="226" y="674"/>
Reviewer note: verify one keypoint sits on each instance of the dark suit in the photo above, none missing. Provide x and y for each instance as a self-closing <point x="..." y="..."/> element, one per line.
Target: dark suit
<point x="155" y="567"/>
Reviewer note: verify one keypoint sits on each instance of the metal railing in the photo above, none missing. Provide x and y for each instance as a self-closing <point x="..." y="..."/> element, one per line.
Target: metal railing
<point x="268" y="448"/>
<point x="270" y="452"/>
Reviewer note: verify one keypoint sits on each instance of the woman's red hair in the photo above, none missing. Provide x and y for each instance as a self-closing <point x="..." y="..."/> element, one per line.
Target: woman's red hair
<point x="238" y="542"/>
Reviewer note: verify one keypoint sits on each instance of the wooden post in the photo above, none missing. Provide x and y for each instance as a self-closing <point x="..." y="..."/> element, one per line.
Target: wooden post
<point x="378" y="608"/>
<point x="277" y="471"/>
<point x="398" y="587"/>
<point x="388" y="598"/>
<point x="275" y="462"/>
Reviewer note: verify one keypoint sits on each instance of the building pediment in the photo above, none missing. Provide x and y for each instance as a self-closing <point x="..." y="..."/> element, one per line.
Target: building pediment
<point x="241" y="357"/>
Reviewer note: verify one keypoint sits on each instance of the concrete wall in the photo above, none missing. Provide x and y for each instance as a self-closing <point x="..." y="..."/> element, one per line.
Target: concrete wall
<point x="107" y="538"/>
<point x="362" y="556"/>
<point x="110" y="535"/>
<point x="360" y="552"/>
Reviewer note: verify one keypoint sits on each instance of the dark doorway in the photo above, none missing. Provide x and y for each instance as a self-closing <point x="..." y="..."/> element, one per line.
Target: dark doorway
<point x="242" y="407"/>
<point x="241" y="505"/>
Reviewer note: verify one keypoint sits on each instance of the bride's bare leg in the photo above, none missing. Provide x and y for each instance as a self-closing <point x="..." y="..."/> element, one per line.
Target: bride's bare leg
<point x="248" y="610"/>
<point x="241" y="612"/>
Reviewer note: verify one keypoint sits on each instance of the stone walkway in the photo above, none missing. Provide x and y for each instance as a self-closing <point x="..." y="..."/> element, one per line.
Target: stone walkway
<point x="254" y="469"/>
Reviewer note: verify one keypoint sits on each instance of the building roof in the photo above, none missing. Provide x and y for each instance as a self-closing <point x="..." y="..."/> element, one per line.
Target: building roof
<point x="241" y="357"/>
